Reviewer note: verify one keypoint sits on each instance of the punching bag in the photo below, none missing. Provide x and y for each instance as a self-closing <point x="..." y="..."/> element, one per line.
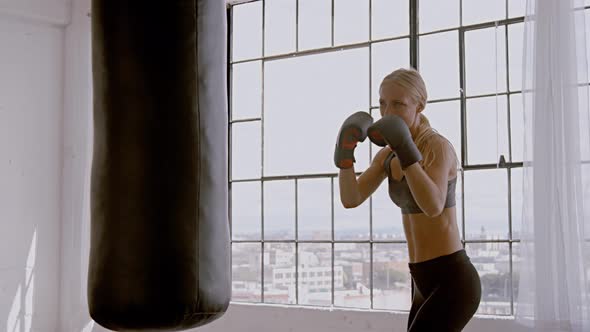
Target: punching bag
<point x="159" y="252"/>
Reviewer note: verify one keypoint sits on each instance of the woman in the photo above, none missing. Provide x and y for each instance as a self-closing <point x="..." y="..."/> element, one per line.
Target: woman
<point x="422" y="174"/>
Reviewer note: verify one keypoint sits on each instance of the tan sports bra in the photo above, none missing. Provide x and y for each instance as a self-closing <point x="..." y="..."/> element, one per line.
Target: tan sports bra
<point x="400" y="193"/>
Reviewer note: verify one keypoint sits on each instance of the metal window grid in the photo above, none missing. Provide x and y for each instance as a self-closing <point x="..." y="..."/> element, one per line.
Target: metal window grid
<point x="414" y="56"/>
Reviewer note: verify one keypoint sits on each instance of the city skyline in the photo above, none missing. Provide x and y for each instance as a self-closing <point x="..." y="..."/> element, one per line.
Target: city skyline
<point x="352" y="288"/>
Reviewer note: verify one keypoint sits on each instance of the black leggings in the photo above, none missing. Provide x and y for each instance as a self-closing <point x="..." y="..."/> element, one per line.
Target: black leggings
<point x="445" y="293"/>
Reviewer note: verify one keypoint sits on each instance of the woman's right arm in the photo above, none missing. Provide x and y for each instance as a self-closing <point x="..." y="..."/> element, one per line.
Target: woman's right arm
<point x="353" y="191"/>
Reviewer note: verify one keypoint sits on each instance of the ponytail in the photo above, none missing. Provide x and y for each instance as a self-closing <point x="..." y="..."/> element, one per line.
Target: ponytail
<point x="425" y="139"/>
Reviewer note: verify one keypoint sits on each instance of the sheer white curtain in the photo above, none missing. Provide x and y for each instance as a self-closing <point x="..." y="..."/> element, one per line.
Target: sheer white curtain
<point x="553" y="289"/>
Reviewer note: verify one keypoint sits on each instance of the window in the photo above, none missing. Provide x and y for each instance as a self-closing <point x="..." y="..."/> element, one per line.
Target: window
<point x="297" y="69"/>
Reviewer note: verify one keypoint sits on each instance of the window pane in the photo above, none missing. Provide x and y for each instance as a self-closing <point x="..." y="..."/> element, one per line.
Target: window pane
<point x="516" y="127"/>
<point x="350" y="224"/>
<point x="438" y="15"/>
<point x="246" y="90"/>
<point x="351" y="275"/>
<point x="315" y="260"/>
<point x="361" y="154"/>
<point x="314" y="210"/>
<point x="487" y="130"/>
<point x="247" y="31"/>
<point x="515" y="50"/>
<point x="245" y="152"/>
<point x="391" y="277"/>
<point x="516" y="261"/>
<point x="485" y="61"/>
<point x="346" y="12"/>
<point x="486" y="204"/>
<point x="459" y="200"/>
<point x="516" y="8"/>
<point x="294" y="103"/>
<point x="516" y="198"/>
<point x="387" y="57"/>
<point x="580" y="38"/>
<point x="586" y="248"/>
<point x="279" y="26"/>
<point x="584" y="121"/>
<point x="279" y="210"/>
<point x="445" y="117"/>
<point x="391" y="18"/>
<point x="477" y="11"/>
<point x="315" y="24"/>
<point x="387" y="217"/>
<point x="246" y="273"/>
<point x="586" y="198"/>
<point x="279" y="262"/>
<point x="587" y="19"/>
<point x="492" y="262"/>
<point x="246" y="209"/>
<point x="439" y="64"/>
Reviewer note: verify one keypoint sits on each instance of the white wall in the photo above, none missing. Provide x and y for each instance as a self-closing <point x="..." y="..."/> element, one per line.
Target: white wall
<point x="52" y="12"/>
<point x="31" y="104"/>
<point x="77" y="131"/>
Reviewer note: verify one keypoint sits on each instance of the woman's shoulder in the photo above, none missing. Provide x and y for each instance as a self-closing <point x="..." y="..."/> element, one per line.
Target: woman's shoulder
<point x="434" y="139"/>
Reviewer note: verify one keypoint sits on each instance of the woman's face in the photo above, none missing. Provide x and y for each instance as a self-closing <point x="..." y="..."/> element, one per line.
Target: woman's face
<point x="393" y="99"/>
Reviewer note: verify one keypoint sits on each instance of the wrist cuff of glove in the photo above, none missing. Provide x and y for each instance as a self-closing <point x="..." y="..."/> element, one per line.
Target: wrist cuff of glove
<point x="408" y="155"/>
<point x="344" y="158"/>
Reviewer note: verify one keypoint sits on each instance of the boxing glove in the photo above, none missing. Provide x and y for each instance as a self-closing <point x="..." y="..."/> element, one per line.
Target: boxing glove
<point x="392" y="130"/>
<point x="352" y="131"/>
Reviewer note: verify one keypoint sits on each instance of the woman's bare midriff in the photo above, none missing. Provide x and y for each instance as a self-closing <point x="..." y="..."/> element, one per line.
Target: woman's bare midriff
<point x="429" y="238"/>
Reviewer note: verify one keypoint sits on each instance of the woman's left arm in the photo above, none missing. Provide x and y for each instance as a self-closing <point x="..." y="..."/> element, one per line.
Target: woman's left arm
<point x="429" y="185"/>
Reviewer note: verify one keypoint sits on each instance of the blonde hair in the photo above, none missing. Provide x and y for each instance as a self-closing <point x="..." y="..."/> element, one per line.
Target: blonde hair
<point x="411" y="80"/>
